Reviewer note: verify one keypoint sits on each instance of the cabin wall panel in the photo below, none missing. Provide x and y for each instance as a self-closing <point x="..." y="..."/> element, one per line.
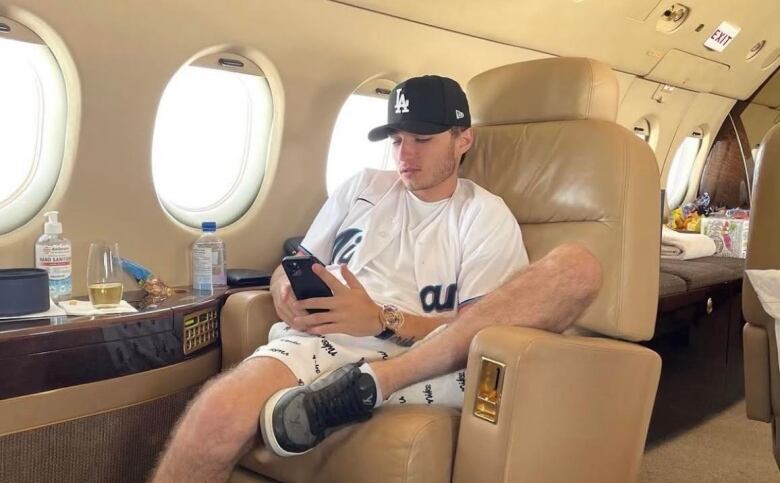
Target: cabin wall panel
<point x="709" y="111"/>
<point x="758" y="119"/>
<point x="664" y="117"/>
<point x="315" y="54"/>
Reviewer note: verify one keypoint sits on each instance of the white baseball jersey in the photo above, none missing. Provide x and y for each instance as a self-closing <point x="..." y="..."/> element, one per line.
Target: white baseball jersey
<point x="426" y="258"/>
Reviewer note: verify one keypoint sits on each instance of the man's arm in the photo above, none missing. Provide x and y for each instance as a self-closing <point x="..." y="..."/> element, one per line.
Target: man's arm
<point x="550" y="294"/>
<point x="417" y="327"/>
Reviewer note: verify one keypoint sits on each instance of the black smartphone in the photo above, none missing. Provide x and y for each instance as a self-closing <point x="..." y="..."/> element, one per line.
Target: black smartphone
<point x="305" y="283"/>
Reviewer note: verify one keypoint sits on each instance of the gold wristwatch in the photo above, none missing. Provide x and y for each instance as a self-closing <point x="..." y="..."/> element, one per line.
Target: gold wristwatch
<point x="392" y="320"/>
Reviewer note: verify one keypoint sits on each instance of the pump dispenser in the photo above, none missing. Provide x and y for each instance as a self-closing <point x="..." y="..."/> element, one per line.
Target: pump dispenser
<point x="52" y="225"/>
<point x="53" y="254"/>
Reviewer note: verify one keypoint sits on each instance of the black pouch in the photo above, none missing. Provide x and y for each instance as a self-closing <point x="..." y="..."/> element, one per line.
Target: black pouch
<point x="247" y="277"/>
<point x="23" y="291"/>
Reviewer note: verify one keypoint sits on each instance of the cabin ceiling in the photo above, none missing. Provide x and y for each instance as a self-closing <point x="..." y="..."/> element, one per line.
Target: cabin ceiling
<point x="622" y="33"/>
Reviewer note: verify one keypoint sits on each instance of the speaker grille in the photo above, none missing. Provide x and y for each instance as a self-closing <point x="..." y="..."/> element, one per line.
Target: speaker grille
<point x="117" y="446"/>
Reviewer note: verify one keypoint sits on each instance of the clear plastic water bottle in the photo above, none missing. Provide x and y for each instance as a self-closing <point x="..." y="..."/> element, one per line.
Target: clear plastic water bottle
<point x="208" y="259"/>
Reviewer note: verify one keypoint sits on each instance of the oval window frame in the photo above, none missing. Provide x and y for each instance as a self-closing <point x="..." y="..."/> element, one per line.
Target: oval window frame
<point x="246" y="187"/>
<point x="699" y="133"/>
<point x="46" y="170"/>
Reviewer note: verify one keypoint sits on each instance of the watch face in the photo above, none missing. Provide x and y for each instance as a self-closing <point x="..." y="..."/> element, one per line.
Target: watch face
<point x="393" y="317"/>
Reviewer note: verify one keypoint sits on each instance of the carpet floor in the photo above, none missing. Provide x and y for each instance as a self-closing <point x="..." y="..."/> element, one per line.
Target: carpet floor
<point x="727" y="448"/>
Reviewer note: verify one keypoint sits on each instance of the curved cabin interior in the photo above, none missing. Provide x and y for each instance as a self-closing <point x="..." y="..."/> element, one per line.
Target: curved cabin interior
<point x="596" y="122"/>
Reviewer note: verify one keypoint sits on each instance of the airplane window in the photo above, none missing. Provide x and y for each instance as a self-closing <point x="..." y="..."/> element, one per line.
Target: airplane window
<point x="350" y="150"/>
<point x="33" y="108"/>
<point x="211" y="140"/>
<point x="681" y="167"/>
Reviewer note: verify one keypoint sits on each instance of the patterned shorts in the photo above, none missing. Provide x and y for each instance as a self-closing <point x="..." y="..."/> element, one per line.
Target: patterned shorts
<point x="310" y="356"/>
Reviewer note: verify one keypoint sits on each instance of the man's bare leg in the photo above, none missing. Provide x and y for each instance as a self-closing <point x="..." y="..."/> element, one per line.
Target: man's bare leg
<point x="549" y="294"/>
<point x="221" y="423"/>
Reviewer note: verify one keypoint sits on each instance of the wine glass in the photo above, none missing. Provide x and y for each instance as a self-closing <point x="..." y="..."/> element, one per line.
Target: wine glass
<point x="104" y="275"/>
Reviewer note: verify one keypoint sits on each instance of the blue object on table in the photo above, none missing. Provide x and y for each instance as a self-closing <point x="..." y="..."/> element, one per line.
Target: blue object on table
<point x="138" y="271"/>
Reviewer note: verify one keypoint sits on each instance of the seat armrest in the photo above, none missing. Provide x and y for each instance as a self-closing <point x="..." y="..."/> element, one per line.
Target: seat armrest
<point x="245" y="321"/>
<point x="572" y="409"/>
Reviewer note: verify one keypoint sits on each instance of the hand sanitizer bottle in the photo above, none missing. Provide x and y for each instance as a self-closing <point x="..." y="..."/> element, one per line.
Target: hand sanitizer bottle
<point x="53" y="254"/>
<point x="208" y="259"/>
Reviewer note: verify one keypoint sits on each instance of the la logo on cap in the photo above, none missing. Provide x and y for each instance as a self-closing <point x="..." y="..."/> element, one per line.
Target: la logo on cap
<point x="401" y="102"/>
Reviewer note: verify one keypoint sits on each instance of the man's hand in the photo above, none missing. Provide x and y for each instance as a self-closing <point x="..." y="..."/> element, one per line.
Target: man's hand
<point x="349" y="311"/>
<point x="283" y="296"/>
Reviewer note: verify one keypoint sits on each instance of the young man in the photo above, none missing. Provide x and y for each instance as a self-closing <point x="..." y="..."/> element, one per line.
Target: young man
<point x="410" y="254"/>
<point x="415" y="247"/>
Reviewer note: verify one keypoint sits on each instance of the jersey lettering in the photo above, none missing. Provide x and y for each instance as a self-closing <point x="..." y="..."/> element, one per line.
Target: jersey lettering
<point x="431" y="298"/>
<point x="345" y="244"/>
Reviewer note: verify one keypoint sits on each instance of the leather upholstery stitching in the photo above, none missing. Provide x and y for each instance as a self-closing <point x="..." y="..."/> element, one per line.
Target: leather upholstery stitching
<point x="623" y="238"/>
<point x="414" y="443"/>
<point x="589" y="104"/>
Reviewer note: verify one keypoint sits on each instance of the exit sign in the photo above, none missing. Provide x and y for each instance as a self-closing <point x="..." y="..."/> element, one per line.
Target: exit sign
<point x="722" y="37"/>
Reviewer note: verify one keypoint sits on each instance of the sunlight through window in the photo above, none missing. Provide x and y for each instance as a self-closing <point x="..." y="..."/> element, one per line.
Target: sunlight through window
<point x="680" y="170"/>
<point x="32" y="129"/>
<point x="210" y="143"/>
<point x="350" y="150"/>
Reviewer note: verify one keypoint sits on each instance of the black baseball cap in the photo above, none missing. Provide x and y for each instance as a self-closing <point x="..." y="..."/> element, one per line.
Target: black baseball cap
<point x="424" y="105"/>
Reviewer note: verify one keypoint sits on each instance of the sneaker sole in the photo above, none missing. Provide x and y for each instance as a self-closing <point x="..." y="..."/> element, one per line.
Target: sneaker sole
<point x="266" y="421"/>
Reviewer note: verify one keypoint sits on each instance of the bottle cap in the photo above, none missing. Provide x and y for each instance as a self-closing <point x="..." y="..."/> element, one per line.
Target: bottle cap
<point x="208" y="226"/>
<point x="52" y="225"/>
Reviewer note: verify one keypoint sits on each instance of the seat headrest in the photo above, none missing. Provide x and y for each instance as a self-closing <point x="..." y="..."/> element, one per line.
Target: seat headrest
<point x="555" y="89"/>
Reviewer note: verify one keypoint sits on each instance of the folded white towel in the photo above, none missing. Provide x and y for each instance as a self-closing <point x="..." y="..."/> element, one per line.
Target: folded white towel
<point x="84" y="307"/>
<point x="685" y="246"/>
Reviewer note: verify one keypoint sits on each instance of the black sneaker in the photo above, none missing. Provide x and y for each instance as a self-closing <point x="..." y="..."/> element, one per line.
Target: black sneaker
<point x="295" y="420"/>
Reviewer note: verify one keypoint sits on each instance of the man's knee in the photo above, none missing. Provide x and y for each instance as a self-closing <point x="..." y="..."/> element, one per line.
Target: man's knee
<point x="223" y="413"/>
<point x="217" y="405"/>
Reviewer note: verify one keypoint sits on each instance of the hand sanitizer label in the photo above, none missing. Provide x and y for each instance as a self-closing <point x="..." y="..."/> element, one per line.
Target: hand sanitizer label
<point x="56" y="260"/>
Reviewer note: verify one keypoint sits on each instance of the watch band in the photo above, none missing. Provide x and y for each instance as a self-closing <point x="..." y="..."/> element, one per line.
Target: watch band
<point x="385" y="334"/>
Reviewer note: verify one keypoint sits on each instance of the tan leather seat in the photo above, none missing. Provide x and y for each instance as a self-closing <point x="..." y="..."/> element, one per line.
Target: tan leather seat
<point x="573" y="408"/>
<point x="762" y="376"/>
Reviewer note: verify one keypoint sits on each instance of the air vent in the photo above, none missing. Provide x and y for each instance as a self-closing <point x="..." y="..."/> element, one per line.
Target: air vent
<point x="4" y="28"/>
<point x="382" y="92"/>
<point x="672" y="18"/>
